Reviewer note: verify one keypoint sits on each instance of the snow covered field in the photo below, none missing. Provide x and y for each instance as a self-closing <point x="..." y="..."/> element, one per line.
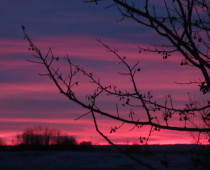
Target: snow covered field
<point x="97" y="160"/>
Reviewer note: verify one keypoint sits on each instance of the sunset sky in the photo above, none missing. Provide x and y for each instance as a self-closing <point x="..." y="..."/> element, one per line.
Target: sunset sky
<point x="72" y="27"/>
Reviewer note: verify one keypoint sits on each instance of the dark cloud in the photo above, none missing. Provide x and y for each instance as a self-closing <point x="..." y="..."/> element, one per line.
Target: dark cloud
<point x="50" y="18"/>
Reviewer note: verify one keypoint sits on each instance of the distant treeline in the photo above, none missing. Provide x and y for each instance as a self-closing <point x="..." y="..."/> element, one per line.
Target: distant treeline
<point x="46" y="138"/>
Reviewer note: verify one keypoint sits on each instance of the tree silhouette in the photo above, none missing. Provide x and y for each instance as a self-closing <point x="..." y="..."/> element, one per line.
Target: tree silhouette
<point x="40" y="136"/>
<point x="185" y="26"/>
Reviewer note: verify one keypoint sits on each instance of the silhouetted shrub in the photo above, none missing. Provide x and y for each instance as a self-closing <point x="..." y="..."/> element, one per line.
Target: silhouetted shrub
<point x="86" y="146"/>
<point x="65" y="140"/>
<point x="85" y="143"/>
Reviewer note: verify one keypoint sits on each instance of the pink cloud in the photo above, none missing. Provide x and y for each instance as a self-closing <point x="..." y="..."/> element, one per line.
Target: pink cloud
<point x="81" y="47"/>
<point x="12" y="46"/>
